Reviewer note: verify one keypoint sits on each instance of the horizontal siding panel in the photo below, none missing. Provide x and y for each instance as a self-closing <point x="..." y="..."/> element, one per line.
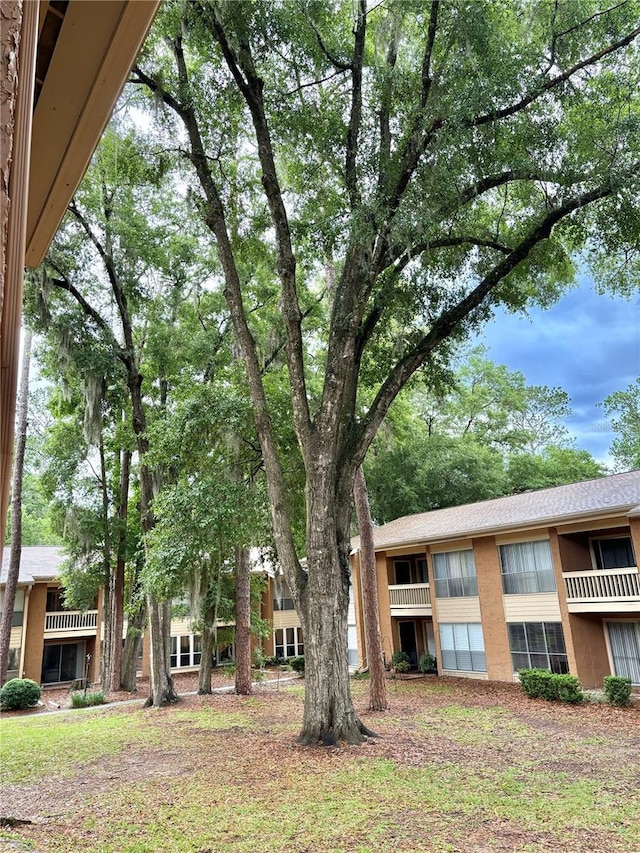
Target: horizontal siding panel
<point x="15" y="640"/>
<point x="285" y="619"/>
<point x="541" y="607"/>
<point x="465" y="609"/>
<point x="180" y="627"/>
<point x="523" y="536"/>
<point x="454" y="545"/>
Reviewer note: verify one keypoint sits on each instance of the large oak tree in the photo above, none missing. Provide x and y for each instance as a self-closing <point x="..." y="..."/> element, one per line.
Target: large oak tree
<point x="420" y="162"/>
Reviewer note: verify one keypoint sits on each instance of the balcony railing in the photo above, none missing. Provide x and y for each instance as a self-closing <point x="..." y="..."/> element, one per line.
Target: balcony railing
<point x="71" y="620"/>
<point x="410" y="596"/>
<point x="606" y="585"/>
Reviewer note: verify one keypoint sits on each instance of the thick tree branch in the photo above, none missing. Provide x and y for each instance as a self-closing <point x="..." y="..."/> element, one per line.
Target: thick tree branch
<point x="355" y="116"/>
<point x="216" y="222"/>
<point x="554" y="82"/>
<point x="63" y="283"/>
<point x="451" y="318"/>
<point x="418" y="140"/>
<point x="251" y="86"/>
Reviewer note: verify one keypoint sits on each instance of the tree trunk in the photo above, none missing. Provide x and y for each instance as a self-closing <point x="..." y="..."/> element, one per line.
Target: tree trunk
<point x="13" y="570"/>
<point x="329" y="715"/>
<point x="162" y="691"/>
<point x="243" y="622"/>
<point x="209" y="634"/>
<point x="116" y="596"/>
<point x="158" y="612"/>
<point x="131" y="651"/>
<point x="106" y="661"/>
<point x="377" y="684"/>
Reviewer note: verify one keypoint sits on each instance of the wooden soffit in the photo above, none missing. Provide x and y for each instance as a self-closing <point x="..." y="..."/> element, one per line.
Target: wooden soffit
<point x="86" y="49"/>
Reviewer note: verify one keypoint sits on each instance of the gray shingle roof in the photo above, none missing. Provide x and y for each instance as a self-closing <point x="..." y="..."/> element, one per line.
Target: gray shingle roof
<point x="40" y="562"/>
<point x="616" y="494"/>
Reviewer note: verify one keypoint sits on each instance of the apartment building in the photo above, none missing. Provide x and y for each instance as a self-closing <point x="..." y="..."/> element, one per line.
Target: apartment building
<point x="49" y="644"/>
<point x="52" y="645"/>
<point x="543" y="579"/>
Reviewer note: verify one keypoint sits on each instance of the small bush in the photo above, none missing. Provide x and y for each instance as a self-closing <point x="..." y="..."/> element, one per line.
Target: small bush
<point x="229" y="668"/>
<point x="617" y="690"/>
<point x="297" y="664"/>
<point x="427" y="663"/>
<point x="85" y="700"/>
<point x="257" y="658"/>
<point x="400" y="661"/>
<point x="274" y="660"/>
<point x="18" y="694"/>
<point x="568" y="689"/>
<point x="542" y="684"/>
<point x="537" y="684"/>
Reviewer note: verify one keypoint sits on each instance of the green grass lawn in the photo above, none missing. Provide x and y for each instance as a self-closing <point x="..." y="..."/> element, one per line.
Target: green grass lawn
<point x="473" y="768"/>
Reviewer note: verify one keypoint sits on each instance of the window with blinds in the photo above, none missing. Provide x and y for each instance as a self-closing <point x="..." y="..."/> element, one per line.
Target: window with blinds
<point x="538" y="645"/>
<point x="527" y="567"/>
<point x="624" y="640"/>
<point x="455" y="574"/>
<point x="462" y="647"/>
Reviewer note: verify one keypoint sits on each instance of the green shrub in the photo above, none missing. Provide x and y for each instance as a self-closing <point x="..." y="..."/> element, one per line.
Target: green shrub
<point x="427" y="663"/>
<point x="229" y="668"/>
<point x="19" y="694"/>
<point x="85" y="700"/>
<point x="542" y="684"/>
<point x="537" y="683"/>
<point x="400" y="661"/>
<point x="297" y="664"/>
<point x="257" y="658"/>
<point x="617" y="690"/>
<point x="274" y="660"/>
<point x="568" y="689"/>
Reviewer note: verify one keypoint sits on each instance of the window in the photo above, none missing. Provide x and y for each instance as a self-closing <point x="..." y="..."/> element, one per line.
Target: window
<point x="62" y="662"/>
<point x="282" y="599"/>
<point x="614" y="553"/>
<point x="18" y="608"/>
<point x="538" y="645"/>
<point x="12" y="665"/>
<point x="55" y="600"/>
<point x="421" y="568"/>
<point x="462" y="647"/>
<point x="185" y="651"/>
<point x="455" y="574"/>
<point x="624" y="639"/>
<point x="288" y="642"/>
<point x="527" y="567"/>
<point x="403" y="571"/>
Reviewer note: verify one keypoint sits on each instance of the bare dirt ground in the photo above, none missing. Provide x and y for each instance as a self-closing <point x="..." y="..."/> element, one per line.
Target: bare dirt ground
<point x="410" y="737"/>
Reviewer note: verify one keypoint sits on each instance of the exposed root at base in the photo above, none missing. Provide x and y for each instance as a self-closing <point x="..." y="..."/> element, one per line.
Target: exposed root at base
<point x="328" y="737"/>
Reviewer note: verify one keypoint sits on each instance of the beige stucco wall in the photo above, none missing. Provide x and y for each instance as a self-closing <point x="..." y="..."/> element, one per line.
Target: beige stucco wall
<point x="494" y="628"/>
<point x="34" y="633"/>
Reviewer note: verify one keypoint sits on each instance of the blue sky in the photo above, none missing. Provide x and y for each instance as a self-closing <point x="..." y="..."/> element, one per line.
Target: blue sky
<point x="587" y="344"/>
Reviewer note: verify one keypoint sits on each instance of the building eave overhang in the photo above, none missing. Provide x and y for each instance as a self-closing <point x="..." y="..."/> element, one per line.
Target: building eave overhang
<point x="95" y="49"/>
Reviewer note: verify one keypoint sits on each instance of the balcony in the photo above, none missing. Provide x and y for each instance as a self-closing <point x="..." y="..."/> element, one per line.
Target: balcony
<point x="69" y="623"/>
<point x="411" y="599"/>
<point x="604" y="589"/>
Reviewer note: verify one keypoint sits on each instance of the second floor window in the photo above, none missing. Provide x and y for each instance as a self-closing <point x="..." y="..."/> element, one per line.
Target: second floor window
<point x="455" y="574"/>
<point x="613" y="553"/>
<point x="282" y="599"/>
<point x="527" y="567"/>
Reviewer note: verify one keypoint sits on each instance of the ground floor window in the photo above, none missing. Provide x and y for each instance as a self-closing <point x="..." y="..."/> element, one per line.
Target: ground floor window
<point x="62" y="662"/>
<point x="624" y="639"/>
<point x="462" y="647"/>
<point x="13" y="662"/>
<point x="288" y="642"/>
<point x="538" y="645"/>
<point x="186" y="651"/>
